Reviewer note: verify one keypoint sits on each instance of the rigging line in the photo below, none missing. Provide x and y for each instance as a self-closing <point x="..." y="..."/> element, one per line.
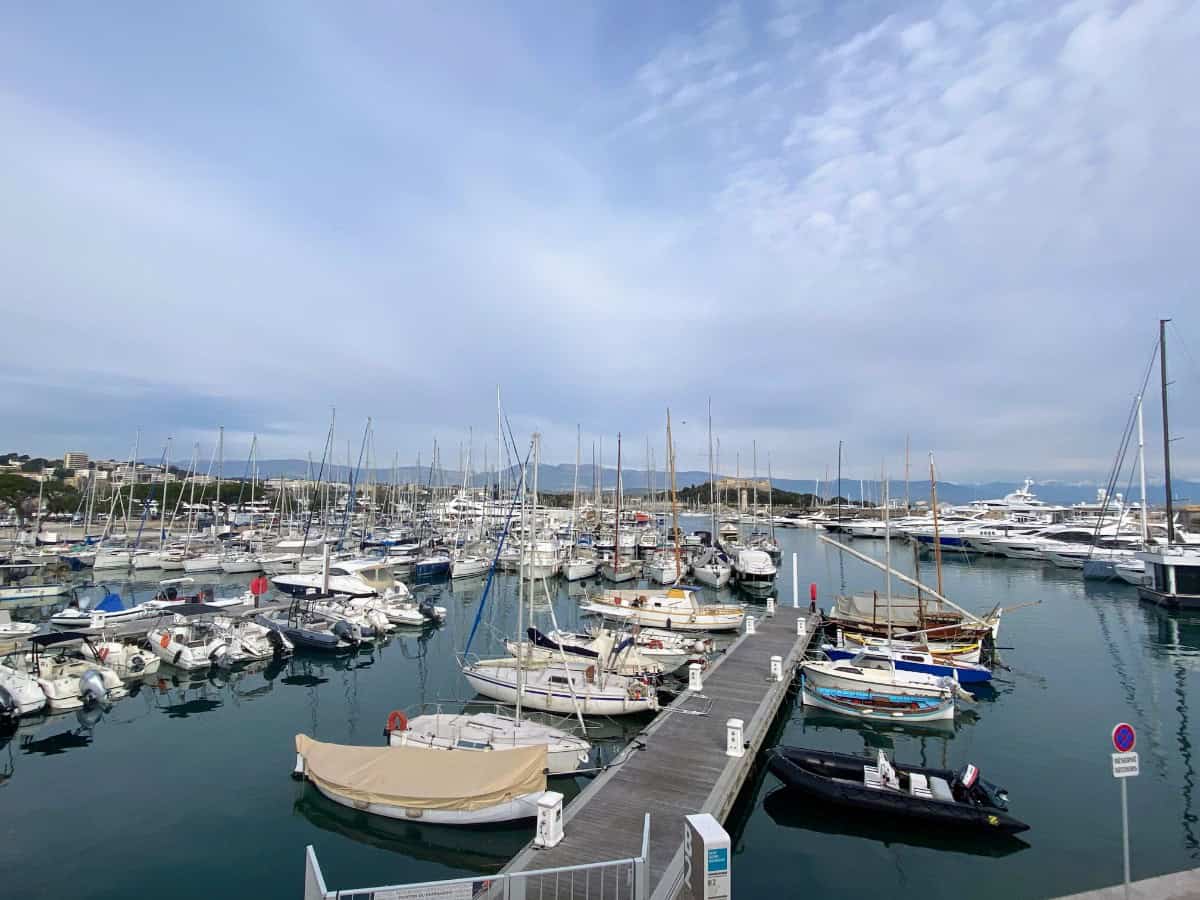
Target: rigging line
<point x="1186" y="350"/>
<point x="496" y="557"/>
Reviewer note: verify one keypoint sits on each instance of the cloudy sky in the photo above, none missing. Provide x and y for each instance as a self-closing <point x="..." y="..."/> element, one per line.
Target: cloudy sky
<point x="959" y="221"/>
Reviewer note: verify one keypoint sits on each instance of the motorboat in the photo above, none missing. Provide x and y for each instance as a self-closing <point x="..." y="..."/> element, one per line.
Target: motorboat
<point x="917" y="794"/>
<point x="191" y="642"/>
<point x="754" y="571"/>
<point x="250" y="641"/>
<point x="14" y="631"/>
<point x="241" y="564"/>
<point x="29" y="581"/>
<point x="432" y="565"/>
<point x="476" y="731"/>
<point x="873" y="693"/>
<point x="420" y="784"/>
<point x="109" y="611"/>
<point x="677" y="609"/>
<point x="304" y="629"/>
<point x="68" y="678"/>
<point x="1174" y="577"/>
<point x="132" y="660"/>
<point x="20" y="693"/>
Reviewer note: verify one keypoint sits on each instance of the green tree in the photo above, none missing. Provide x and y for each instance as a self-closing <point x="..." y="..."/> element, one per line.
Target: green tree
<point x="33" y="465"/>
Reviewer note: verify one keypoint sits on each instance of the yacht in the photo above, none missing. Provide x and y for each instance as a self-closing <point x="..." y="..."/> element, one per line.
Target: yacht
<point x="1173" y="574"/>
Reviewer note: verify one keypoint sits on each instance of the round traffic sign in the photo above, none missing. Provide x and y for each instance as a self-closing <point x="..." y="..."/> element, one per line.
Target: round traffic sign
<point x="1124" y="738"/>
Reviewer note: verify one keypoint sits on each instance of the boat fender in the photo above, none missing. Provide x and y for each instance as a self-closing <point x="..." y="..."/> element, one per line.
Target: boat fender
<point x="178" y="653"/>
<point x="165" y="641"/>
<point x="102" y="654"/>
<point x="591" y="674"/>
<point x="298" y="771"/>
<point x="396" y="721"/>
<point x="617" y="600"/>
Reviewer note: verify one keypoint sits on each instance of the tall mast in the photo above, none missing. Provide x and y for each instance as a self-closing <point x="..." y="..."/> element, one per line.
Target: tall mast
<point x="1142" y="469"/>
<point x="575" y="486"/>
<point x="617" y="517"/>
<point x="1162" y="358"/>
<point x="754" y="445"/>
<point x="674" y="499"/>
<point x="712" y="503"/>
<point x="839" y="492"/>
<point x="937" y="539"/>
<point x="907" y="506"/>
<point x="887" y="552"/>
<point x="220" y="472"/>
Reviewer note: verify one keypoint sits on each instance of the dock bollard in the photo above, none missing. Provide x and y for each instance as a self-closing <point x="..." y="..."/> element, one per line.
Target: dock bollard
<point x="298" y="772"/>
<point x="733" y="738"/>
<point x="549" y="820"/>
<point x="770" y="606"/>
<point x="800" y="627"/>
<point x="695" y="682"/>
<point x="749" y="624"/>
<point x="777" y="668"/>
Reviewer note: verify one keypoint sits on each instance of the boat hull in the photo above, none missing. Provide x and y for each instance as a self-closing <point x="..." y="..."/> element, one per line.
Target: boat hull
<point x="836" y="778"/>
<point x="879" y="707"/>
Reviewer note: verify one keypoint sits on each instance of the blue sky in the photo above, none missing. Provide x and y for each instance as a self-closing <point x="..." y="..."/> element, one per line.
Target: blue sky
<point x="959" y="221"/>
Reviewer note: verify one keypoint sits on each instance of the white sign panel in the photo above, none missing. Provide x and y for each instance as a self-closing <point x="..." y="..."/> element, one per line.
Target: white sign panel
<point x="1125" y="765"/>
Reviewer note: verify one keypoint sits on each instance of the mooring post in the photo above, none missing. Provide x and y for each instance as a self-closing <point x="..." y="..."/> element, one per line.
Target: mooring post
<point x="733" y="738"/>
<point x="777" y="668"/>
<point x="749" y="624"/>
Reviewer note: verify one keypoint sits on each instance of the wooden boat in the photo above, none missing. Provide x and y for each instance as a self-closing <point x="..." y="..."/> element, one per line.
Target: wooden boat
<point x="938" y="797"/>
<point x="915" y="659"/>
<point x="967" y="652"/>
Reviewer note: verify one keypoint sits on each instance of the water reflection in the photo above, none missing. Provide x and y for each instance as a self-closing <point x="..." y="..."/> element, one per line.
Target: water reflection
<point x="73" y="737"/>
<point x="789" y="809"/>
<point x="480" y="848"/>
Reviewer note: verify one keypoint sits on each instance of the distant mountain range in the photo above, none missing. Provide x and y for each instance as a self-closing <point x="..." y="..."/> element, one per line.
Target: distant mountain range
<point x="560" y="478"/>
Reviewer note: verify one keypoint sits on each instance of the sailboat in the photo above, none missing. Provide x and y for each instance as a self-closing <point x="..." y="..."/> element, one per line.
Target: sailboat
<point x="676" y="609"/>
<point x="556" y="685"/>
<point x="871" y="686"/>
<point x="614" y="569"/>
<point x="1173" y="570"/>
<point x="712" y="568"/>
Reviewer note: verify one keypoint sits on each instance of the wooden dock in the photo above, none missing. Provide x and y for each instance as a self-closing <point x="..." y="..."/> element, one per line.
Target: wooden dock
<point x="681" y="768"/>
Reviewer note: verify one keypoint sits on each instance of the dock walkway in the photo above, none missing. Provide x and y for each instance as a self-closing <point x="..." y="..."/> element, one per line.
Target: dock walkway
<point x="679" y="769"/>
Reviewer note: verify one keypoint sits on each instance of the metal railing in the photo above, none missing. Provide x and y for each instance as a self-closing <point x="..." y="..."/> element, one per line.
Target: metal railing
<point x="617" y="879"/>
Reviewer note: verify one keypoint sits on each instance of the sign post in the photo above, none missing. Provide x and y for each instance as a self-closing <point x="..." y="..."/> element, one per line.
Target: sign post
<point x="1124" y="765"/>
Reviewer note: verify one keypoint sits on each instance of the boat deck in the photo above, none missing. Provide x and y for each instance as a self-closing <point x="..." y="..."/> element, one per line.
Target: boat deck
<point x="679" y="768"/>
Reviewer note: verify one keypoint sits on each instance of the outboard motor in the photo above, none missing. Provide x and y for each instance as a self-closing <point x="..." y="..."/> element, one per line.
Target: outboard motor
<point x="221" y="657"/>
<point x="348" y="632"/>
<point x="275" y="641"/>
<point x="89" y="716"/>
<point x="91" y="686"/>
<point x="8" y="706"/>
<point x="428" y="609"/>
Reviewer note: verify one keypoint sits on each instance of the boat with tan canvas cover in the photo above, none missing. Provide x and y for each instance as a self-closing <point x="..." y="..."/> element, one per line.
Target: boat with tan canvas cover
<point x="449" y="787"/>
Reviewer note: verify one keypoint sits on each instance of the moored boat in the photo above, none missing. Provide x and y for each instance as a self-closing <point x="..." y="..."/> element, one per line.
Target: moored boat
<point x="938" y="797"/>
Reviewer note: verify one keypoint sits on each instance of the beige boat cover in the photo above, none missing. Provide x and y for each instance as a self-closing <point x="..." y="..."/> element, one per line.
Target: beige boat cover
<point x="420" y="778"/>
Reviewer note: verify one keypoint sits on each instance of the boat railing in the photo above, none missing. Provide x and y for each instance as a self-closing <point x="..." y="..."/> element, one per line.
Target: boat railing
<point x="617" y="879"/>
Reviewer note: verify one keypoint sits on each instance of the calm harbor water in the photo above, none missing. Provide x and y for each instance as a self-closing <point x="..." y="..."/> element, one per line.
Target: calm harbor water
<point x="186" y="783"/>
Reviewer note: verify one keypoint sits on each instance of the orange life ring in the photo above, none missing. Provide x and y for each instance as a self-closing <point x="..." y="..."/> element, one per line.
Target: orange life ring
<point x="165" y="640"/>
<point x="397" y="721"/>
<point x="655" y="644"/>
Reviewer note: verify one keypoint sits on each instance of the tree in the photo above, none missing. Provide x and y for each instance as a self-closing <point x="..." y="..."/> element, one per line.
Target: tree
<point x="18" y="493"/>
<point x="33" y="465"/>
<point x="62" y="474"/>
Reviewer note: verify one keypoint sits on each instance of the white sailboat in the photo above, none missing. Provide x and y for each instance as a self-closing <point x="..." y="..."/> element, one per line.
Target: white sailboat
<point x="615" y="569"/>
<point x="677" y="609"/>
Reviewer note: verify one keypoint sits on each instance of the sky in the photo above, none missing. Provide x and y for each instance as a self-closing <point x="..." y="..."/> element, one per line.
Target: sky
<point x="952" y="221"/>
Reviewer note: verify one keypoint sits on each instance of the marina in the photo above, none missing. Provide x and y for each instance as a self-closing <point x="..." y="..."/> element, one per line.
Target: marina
<point x="667" y="451"/>
<point x="184" y="732"/>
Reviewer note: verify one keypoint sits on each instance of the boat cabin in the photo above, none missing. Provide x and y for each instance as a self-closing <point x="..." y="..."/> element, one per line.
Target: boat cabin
<point x="1174" y="576"/>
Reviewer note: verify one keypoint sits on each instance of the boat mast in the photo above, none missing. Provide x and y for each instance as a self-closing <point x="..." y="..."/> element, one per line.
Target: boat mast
<point x="712" y="503"/>
<point x="521" y="572"/>
<point x="674" y="497"/>
<point x="839" y="479"/>
<point x="907" y="505"/>
<point x="617" y="517"/>
<point x="937" y="539"/>
<point x="574" y="489"/>
<point x="887" y="554"/>
<point x="1142" y="470"/>
<point x="1162" y="358"/>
